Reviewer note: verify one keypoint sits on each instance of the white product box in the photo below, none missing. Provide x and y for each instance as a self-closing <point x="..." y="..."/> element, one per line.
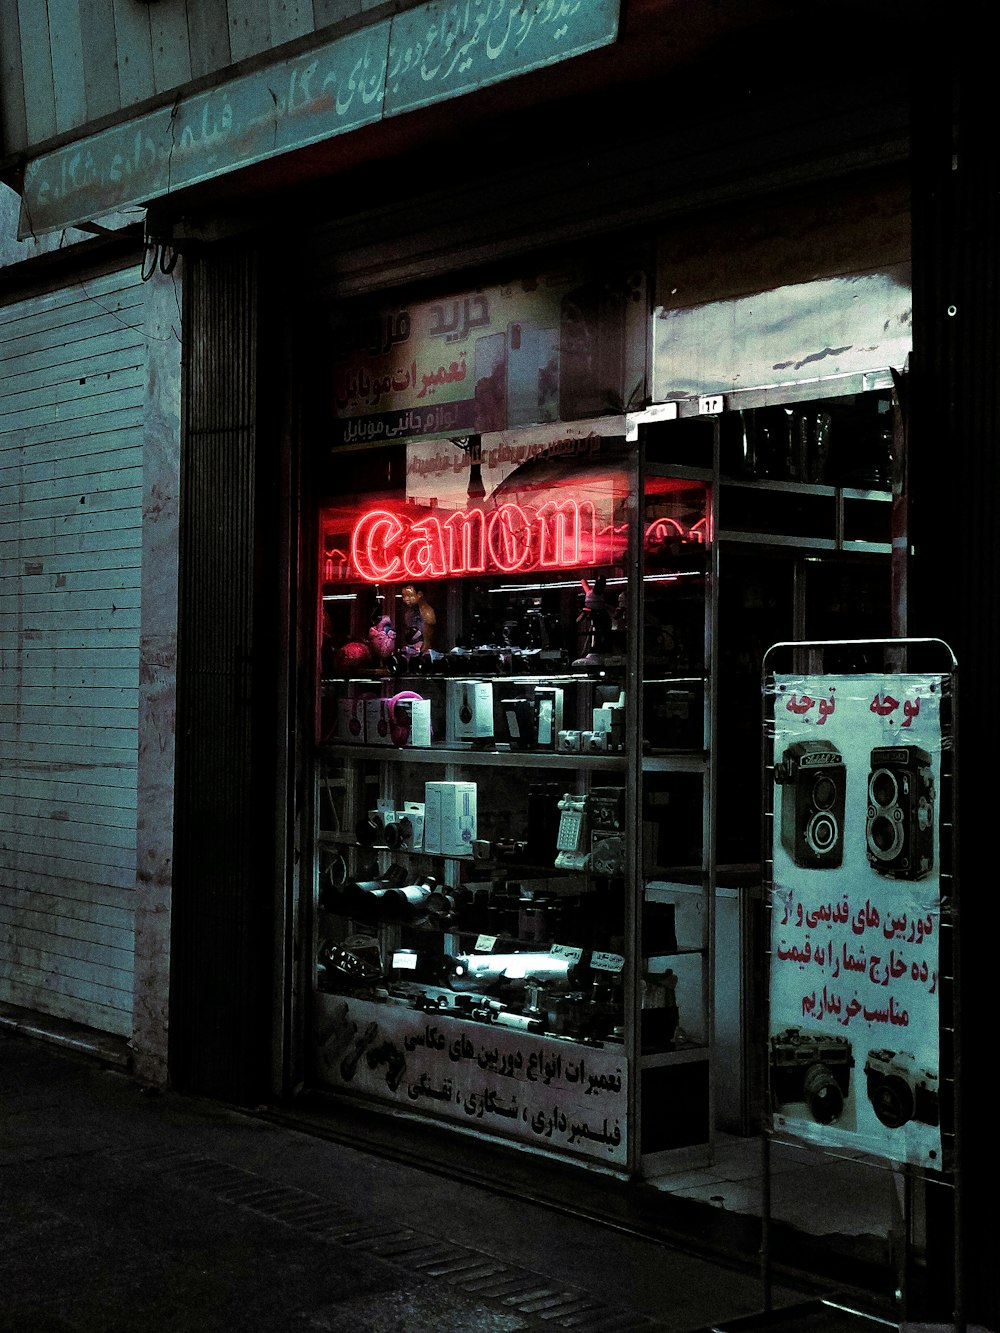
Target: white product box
<point x="449" y="818"/>
<point x="377" y="722"/>
<point x="351" y="720"/>
<point x="468" y="710"/>
<point x="549" y="704"/>
<point x="418" y="711"/>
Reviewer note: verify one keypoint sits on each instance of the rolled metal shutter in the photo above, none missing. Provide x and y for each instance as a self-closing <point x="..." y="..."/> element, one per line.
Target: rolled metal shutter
<point x="72" y="381"/>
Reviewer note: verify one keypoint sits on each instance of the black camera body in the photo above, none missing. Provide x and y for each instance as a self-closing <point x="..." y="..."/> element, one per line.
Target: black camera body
<point x="814" y="1068"/>
<point x="813" y="776"/>
<point x="899" y="1090"/>
<point x="899" y="828"/>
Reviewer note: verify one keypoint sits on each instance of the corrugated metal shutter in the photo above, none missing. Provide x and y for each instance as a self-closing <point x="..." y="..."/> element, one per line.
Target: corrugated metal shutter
<point x="72" y="374"/>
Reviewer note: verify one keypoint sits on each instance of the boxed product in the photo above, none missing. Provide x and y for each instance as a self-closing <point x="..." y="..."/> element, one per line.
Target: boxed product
<point x="377" y="722"/>
<point x="449" y="818"/>
<point x="412" y="719"/>
<point x="350" y="724"/>
<point x="549" y="715"/>
<point x="468" y="710"/>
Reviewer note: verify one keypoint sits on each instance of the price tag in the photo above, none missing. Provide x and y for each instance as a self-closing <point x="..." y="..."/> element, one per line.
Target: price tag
<point x="606" y="962"/>
<point x="404" y="960"/>
<point x="567" y="951"/>
<point x="485" y="943"/>
<point x="710" y="404"/>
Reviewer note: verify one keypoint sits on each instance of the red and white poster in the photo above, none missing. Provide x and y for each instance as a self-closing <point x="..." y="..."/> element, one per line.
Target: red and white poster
<point x="853" y="1041"/>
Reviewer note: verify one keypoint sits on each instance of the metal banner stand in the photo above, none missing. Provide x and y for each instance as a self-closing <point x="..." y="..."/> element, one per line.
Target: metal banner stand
<point x="814" y="815"/>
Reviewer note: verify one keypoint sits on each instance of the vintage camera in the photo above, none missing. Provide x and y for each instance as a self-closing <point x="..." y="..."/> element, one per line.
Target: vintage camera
<point x="814" y="1068"/>
<point x="568" y="741"/>
<point x="900" y="823"/>
<point x="349" y="964"/>
<point x="594" y="742"/>
<point x="814" y="781"/>
<point x="899" y="1090"/>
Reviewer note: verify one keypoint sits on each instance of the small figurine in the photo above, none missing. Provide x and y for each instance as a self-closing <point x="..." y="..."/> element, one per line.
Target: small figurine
<point x="420" y="619"/>
<point x="595" y="618"/>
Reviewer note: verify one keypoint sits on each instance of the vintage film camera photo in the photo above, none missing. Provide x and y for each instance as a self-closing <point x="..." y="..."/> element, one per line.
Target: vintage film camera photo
<point x="813" y="779"/>
<point x="899" y="828"/>
<point x="812" y="1068"/>
<point x="900" y="1090"/>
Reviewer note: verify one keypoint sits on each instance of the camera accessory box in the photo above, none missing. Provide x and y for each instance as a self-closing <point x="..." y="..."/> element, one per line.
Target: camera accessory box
<point x="549" y="704"/>
<point x="468" y="710"/>
<point x="410" y="720"/>
<point x="351" y="718"/>
<point x="378" y="719"/>
<point x="450" y="818"/>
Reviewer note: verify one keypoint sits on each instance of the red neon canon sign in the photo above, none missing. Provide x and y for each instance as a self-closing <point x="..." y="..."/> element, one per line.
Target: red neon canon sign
<point x="511" y="539"/>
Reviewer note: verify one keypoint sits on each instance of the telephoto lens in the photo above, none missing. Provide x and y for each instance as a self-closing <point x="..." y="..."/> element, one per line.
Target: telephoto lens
<point x="407" y="901"/>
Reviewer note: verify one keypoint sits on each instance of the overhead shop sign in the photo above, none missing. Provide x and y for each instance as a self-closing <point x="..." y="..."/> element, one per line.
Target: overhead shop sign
<point x="425" y="55"/>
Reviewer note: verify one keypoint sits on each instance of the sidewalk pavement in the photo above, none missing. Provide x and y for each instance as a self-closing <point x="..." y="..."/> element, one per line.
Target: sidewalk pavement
<point x="125" y="1208"/>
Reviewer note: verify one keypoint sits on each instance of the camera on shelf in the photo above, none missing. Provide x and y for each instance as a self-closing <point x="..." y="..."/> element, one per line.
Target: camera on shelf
<point x="594" y="742"/>
<point x="813" y="1068"/>
<point x="899" y="1090"/>
<point x="349" y="964"/>
<point x="900" y="824"/>
<point x="569" y="741"/>
<point x="404" y="829"/>
<point x="813" y="777"/>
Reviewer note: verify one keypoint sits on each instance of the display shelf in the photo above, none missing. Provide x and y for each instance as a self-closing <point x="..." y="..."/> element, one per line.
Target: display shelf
<point x="473" y="758"/>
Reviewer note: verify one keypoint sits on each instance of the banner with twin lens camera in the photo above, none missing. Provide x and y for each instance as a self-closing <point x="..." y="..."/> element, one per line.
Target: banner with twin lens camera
<point x="853" y="1037"/>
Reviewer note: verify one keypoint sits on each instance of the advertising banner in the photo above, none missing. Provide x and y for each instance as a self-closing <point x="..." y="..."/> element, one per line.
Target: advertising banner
<point x="853" y="1056"/>
<point x="557" y="347"/>
<point x="556" y="1094"/>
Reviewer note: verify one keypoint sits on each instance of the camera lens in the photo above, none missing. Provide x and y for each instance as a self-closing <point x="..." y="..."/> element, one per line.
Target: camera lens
<point x="824" y="793"/>
<point x="822" y="833"/>
<point x="822" y="1094"/>
<point x="882" y="833"/>
<point x="892" y="1100"/>
<point x="883" y="787"/>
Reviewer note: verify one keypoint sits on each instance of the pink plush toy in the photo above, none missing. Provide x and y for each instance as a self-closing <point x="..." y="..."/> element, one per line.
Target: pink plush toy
<point x="382" y="638"/>
<point x="353" y="656"/>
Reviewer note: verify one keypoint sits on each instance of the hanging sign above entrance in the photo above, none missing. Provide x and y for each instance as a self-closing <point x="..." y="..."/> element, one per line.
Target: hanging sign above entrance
<point x="424" y="55"/>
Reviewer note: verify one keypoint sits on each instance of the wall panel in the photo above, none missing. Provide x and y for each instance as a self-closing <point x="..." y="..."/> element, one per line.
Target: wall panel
<point x="72" y="371"/>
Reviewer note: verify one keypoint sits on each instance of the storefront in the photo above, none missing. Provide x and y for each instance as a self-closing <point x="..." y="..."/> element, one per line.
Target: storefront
<point x="556" y="522"/>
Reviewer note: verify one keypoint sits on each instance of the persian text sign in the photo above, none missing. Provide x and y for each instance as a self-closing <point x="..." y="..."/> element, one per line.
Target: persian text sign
<point x="551" y="1093"/>
<point x="443" y="49"/>
<point x="854" y="1057"/>
<point x="424" y="55"/>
